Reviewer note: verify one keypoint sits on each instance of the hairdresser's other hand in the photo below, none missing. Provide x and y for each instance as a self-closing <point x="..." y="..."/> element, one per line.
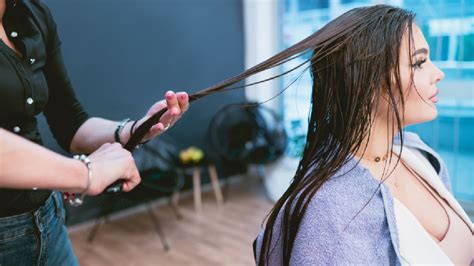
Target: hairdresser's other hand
<point x="176" y="103"/>
<point x="109" y="163"/>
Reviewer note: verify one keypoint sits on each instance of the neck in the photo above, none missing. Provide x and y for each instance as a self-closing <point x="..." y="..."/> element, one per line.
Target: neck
<point x="380" y="141"/>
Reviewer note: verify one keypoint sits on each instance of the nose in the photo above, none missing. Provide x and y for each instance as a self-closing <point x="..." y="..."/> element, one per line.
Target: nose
<point x="438" y="75"/>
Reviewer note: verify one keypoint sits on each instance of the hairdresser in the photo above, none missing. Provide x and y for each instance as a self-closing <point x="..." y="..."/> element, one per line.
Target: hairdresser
<point x="33" y="80"/>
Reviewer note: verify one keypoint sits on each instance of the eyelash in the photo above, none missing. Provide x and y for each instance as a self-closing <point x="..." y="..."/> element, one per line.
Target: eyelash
<point x="418" y="64"/>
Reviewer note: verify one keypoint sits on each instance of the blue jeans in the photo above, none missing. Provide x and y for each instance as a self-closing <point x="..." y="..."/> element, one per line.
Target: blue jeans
<point x="37" y="237"/>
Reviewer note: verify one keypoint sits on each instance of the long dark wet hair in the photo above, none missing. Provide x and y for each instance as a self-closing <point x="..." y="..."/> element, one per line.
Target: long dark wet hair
<point x="354" y="62"/>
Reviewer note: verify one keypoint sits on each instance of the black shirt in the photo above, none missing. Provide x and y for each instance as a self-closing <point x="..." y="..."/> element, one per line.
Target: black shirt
<point x="32" y="83"/>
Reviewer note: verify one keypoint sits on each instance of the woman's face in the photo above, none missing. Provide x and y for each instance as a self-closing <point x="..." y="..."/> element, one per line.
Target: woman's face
<point x="421" y="94"/>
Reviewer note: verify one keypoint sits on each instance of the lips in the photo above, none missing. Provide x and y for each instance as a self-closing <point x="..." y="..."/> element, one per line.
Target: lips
<point x="434" y="97"/>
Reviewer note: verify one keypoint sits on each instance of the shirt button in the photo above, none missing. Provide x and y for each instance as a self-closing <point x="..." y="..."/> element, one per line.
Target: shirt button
<point x="32" y="61"/>
<point x="29" y="100"/>
<point x="14" y="34"/>
<point x="16" y="129"/>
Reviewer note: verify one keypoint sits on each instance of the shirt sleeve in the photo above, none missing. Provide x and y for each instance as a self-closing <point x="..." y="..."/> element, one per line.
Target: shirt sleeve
<point x="64" y="113"/>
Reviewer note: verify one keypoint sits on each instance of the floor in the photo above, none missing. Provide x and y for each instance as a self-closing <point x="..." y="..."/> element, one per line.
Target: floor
<point x="219" y="235"/>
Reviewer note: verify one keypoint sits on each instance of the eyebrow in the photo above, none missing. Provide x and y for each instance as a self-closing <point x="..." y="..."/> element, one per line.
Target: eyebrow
<point x="420" y="51"/>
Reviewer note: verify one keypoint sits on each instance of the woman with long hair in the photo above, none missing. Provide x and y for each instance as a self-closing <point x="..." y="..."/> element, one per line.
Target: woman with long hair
<point x="365" y="191"/>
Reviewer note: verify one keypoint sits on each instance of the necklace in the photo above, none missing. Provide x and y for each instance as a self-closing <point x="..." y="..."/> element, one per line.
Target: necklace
<point x="376" y="158"/>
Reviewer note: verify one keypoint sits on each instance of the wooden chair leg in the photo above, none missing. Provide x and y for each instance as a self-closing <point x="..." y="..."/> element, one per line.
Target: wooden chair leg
<point x="175" y="198"/>
<point x="157" y="226"/>
<point x="197" y="188"/>
<point x="215" y="184"/>
<point x="174" y="201"/>
<point x="92" y="234"/>
<point x="105" y="209"/>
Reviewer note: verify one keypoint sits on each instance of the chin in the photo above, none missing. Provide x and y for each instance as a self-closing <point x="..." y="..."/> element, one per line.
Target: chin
<point x="422" y="117"/>
<point x="432" y="114"/>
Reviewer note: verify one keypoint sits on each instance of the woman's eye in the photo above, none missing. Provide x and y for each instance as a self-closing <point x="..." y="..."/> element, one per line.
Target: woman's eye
<point x="418" y="64"/>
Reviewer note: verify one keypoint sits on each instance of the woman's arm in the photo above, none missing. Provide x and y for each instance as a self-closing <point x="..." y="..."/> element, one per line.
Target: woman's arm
<point x="71" y="126"/>
<point x="97" y="131"/>
<point x="25" y="165"/>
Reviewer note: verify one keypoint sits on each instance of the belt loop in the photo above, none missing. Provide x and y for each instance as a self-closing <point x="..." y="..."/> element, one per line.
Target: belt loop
<point x="38" y="221"/>
<point x="57" y="203"/>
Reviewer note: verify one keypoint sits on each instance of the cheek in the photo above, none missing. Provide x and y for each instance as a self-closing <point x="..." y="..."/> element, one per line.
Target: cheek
<point x="406" y="80"/>
<point x="418" y="108"/>
<point x="420" y="87"/>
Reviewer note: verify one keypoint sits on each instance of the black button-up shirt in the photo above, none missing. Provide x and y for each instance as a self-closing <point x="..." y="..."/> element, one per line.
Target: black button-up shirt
<point x="32" y="83"/>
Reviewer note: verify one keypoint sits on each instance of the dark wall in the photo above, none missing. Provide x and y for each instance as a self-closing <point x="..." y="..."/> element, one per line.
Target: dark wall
<point x="123" y="55"/>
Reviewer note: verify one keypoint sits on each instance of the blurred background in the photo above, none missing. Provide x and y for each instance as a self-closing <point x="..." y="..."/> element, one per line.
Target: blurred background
<point x="204" y="197"/>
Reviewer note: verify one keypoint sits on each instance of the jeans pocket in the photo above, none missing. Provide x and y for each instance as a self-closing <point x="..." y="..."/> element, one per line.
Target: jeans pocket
<point x="12" y="235"/>
<point x="20" y="249"/>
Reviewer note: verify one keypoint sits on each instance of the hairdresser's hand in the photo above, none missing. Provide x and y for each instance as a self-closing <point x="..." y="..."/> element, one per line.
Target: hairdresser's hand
<point x="110" y="163"/>
<point x="176" y="103"/>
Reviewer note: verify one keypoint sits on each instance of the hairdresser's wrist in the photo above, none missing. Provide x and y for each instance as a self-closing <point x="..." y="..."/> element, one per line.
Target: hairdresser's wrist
<point x="125" y="133"/>
<point x="130" y="128"/>
<point x="78" y="179"/>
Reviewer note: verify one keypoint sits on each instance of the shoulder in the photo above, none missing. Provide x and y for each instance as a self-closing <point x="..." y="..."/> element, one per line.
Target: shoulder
<point x="44" y="21"/>
<point x="39" y="12"/>
<point x="413" y="140"/>
<point x="38" y="8"/>
<point x="345" y="217"/>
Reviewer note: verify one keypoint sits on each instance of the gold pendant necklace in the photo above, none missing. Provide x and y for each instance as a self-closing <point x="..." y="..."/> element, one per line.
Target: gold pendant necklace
<point x="376" y="159"/>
